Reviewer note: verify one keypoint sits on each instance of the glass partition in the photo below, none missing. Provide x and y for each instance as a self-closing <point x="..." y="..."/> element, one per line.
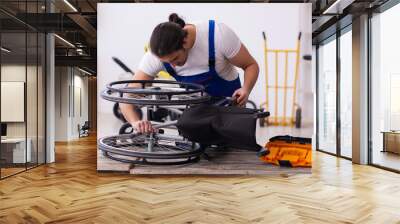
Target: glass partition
<point x="327" y="96"/>
<point x="22" y="78"/>
<point x="385" y="89"/>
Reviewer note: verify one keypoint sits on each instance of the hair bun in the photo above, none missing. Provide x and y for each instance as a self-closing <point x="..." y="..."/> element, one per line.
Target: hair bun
<point x="173" y="17"/>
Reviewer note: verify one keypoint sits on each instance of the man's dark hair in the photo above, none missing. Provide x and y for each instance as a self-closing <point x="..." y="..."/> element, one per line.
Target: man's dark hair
<point x="168" y="37"/>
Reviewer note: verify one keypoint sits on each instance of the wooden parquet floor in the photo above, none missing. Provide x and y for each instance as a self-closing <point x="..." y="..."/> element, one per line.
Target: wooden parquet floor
<point x="71" y="191"/>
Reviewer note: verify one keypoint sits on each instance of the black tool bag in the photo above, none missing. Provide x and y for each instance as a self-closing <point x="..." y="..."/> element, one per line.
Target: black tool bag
<point x="231" y="126"/>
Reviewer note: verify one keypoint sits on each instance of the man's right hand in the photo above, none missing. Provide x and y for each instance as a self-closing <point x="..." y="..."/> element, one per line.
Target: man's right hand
<point x="144" y="127"/>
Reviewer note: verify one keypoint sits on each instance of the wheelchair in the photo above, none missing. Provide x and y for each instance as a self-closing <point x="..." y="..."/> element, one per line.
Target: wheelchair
<point x="170" y="144"/>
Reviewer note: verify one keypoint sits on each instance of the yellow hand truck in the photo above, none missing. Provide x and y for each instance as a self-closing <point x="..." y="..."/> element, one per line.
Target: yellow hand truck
<point x="280" y="117"/>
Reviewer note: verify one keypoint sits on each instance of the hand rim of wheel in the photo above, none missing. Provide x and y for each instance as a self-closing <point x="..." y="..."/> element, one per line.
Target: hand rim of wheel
<point x="190" y="88"/>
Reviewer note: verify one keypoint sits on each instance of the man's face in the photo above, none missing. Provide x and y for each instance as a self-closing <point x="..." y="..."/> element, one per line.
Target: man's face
<point x="177" y="58"/>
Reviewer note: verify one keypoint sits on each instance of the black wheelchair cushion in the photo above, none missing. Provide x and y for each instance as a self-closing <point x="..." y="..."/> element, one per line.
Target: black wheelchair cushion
<point x="233" y="127"/>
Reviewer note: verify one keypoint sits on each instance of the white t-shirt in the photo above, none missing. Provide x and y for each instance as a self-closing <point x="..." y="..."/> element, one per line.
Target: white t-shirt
<point x="227" y="45"/>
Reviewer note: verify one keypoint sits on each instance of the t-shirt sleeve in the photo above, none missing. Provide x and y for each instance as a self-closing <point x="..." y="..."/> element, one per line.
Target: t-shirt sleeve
<point x="230" y="42"/>
<point x="150" y="64"/>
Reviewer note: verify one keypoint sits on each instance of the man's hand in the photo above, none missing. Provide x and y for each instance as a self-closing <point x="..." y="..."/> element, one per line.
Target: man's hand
<point x="241" y="96"/>
<point x="144" y="127"/>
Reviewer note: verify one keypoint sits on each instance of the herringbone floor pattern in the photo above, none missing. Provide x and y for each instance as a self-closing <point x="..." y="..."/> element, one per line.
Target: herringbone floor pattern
<point x="71" y="191"/>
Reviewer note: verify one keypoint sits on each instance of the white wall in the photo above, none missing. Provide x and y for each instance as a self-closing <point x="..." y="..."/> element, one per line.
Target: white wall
<point x="67" y="113"/>
<point x="79" y="117"/>
<point x="124" y="30"/>
<point x="61" y="103"/>
<point x="306" y="84"/>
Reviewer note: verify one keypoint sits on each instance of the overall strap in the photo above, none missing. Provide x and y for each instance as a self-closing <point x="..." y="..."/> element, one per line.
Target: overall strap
<point x="169" y="69"/>
<point x="211" y="46"/>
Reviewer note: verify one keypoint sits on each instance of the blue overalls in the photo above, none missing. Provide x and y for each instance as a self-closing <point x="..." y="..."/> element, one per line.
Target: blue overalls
<point x="213" y="83"/>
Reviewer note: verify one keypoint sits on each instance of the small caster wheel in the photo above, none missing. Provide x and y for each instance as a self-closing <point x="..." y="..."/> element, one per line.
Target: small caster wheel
<point x="126" y="128"/>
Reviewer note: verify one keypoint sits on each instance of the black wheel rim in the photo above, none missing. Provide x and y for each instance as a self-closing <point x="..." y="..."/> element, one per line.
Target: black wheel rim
<point x="167" y="93"/>
<point x="136" y="145"/>
<point x="146" y="161"/>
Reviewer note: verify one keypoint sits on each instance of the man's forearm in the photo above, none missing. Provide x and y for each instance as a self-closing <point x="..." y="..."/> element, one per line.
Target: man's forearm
<point x="250" y="76"/>
<point x="128" y="110"/>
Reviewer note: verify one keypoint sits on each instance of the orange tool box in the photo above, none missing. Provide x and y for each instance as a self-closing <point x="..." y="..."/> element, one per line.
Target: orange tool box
<point x="289" y="151"/>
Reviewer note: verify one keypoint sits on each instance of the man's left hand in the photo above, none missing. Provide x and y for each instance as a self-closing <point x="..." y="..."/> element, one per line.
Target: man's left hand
<point x="241" y="96"/>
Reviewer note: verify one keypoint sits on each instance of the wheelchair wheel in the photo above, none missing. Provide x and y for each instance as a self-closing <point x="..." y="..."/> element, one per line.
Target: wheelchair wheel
<point x="156" y="149"/>
<point x="155" y="92"/>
